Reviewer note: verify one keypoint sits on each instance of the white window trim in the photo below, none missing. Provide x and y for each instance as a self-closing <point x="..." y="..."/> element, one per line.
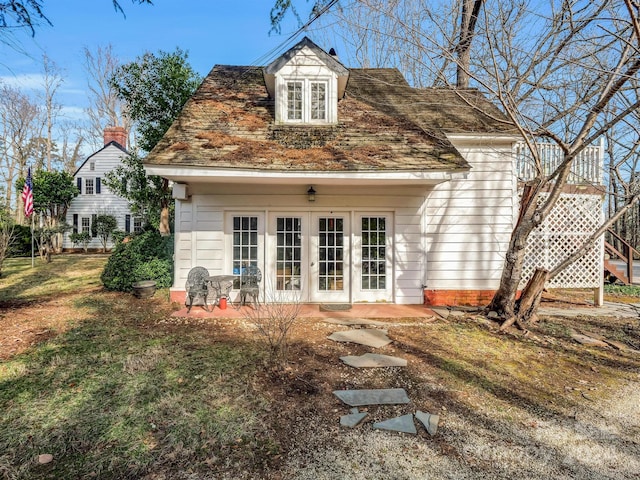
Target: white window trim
<point x="93" y="186"/>
<point x="88" y="225"/>
<point x="136" y="224"/>
<point x="330" y="110"/>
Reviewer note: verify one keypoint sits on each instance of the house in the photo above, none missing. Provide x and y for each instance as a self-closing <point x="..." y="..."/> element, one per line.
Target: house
<point x="95" y="198"/>
<point x="341" y="185"/>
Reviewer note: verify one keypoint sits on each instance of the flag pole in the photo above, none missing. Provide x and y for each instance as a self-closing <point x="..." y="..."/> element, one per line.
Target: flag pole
<point x="33" y="255"/>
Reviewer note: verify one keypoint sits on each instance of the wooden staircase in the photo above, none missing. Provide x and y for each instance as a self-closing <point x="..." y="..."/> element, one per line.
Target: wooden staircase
<point x="624" y="252"/>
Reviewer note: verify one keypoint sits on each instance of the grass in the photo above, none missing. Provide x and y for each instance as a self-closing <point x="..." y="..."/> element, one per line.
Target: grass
<point x="115" y="388"/>
<point x="111" y="397"/>
<point x="625" y="293"/>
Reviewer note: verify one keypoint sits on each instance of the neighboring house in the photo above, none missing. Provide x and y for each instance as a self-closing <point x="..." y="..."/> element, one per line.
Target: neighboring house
<point x="341" y="185"/>
<point x="95" y="198"/>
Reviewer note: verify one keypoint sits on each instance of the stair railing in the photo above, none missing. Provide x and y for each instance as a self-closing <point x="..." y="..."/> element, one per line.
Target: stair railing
<point x="625" y="253"/>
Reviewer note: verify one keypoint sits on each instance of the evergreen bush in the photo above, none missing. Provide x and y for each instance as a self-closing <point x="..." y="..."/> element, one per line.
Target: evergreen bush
<point x="147" y="256"/>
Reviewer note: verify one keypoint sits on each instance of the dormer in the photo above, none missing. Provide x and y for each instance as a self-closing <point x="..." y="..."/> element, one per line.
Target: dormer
<point x="306" y="83"/>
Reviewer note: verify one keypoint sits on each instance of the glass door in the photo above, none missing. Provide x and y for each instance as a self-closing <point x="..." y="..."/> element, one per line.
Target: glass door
<point x="329" y="266"/>
<point x="372" y="258"/>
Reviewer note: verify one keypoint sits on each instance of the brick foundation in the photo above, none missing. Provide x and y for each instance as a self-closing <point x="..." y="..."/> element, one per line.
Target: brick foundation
<point x="441" y="298"/>
<point x="178" y="296"/>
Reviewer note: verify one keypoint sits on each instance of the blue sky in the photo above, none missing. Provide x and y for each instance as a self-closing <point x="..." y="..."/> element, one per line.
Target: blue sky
<point x="212" y="31"/>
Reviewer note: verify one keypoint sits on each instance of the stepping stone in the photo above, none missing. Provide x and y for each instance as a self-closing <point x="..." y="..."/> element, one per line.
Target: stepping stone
<point x="353" y="419"/>
<point x="429" y="421"/>
<point x="350" y="322"/>
<point x="402" y="424"/>
<point x="370" y="337"/>
<point x="373" y="360"/>
<point x="383" y="396"/>
<point x="442" y="312"/>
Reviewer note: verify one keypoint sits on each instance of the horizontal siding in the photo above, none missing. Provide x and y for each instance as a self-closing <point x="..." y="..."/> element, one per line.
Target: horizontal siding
<point x="103" y="203"/>
<point x="468" y="223"/>
<point x="205" y="215"/>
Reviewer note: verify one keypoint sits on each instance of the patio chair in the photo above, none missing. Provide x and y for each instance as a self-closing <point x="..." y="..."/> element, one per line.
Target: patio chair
<point x="197" y="285"/>
<point x="250" y="284"/>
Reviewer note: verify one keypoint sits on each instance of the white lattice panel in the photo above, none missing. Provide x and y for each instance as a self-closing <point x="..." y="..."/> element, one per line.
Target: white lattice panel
<point x="574" y="218"/>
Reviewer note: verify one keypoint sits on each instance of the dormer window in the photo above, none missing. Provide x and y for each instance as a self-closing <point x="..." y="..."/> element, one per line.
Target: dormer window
<point x="306" y="84"/>
<point x="306" y="101"/>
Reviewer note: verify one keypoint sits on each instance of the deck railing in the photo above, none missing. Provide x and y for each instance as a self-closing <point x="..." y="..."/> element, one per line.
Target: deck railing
<point x="587" y="168"/>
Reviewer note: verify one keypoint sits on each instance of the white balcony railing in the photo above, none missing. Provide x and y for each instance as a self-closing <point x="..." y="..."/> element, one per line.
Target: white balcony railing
<point x="587" y="168"/>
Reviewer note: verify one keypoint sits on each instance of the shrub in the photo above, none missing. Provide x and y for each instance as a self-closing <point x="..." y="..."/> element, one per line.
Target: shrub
<point x="81" y="238"/>
<point x="103" y="227"/>
<point x="147" y="256"/>
<point x="21" y="246"/>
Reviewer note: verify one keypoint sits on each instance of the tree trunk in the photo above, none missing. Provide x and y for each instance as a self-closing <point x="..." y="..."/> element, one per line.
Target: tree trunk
<point x="468" y="19"/>
<point x="164" y="227"/>
<point x="530" y="299"/>
<point x="504" y="300"/>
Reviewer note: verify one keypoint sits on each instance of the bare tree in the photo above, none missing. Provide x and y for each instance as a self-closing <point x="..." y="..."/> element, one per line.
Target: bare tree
<point x="51" y="82"/>
<point x="72" y="137"/>
<point x="562" y="71"/>
<point x="21" y="121"/>
<point x="105" y="108"/>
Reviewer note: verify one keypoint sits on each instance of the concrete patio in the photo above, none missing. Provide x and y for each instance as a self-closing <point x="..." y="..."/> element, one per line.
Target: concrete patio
<point x="358" y="310"/>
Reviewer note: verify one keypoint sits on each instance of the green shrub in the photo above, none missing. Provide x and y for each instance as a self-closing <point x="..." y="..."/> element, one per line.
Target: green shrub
<point x="81" y="238"/>
<point x="147" y="256"/>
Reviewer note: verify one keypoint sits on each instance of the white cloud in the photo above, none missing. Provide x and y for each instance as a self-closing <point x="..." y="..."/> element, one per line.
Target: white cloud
<point x="31" y="81"/>
<point x="73" y="113"/>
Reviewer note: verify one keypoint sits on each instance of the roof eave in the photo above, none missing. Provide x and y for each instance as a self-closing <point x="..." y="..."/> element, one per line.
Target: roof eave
<point x="187" y="174"/>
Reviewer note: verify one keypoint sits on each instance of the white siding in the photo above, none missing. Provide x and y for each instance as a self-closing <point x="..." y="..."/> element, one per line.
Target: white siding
<point x="468" y="222"/>
<point x="200" y="224"/>
<point x="106" y="202"/>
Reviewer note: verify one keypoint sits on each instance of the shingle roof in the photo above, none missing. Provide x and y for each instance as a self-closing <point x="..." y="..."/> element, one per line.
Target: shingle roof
<point x="383" y="125"/>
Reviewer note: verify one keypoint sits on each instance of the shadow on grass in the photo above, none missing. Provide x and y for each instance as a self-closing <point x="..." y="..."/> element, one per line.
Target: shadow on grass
<point x="118" y="397"/>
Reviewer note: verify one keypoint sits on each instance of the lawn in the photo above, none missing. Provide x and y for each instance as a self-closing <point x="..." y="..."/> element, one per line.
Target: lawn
<point x="114" y="387"/>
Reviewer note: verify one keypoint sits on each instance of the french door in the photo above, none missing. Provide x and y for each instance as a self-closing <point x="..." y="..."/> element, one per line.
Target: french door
<point x="329" y="265"/>
<point x="320" y="257"/>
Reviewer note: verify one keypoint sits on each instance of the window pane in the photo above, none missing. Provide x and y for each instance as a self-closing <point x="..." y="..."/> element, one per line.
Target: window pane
<point x="294" y="100"/>
<point x="288" y="247"/>
<point x="245" y="242"/>
<point x="318" y="100"/>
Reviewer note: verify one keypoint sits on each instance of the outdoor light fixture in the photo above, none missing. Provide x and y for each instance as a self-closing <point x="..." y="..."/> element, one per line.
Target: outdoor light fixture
<point x="311" y="194"/>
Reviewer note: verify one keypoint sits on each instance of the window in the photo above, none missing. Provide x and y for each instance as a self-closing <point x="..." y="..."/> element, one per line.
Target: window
<point x="306" y="102"/>
<point x="88" y="186"/>
<point x="294" y="100"/>
<point x="245" y="243"/>
<point x="318" y="100"/>
<point x="86" y="225"/>
<point x="137" y="224"/>
<point x="330" y="253"/>
<point x="92" y="166"/>
<point x="374" y="239"/>
<point x="289" y="253"/>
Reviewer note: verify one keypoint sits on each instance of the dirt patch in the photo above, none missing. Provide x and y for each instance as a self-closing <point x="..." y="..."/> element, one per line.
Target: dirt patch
<point x="540" y="406"/>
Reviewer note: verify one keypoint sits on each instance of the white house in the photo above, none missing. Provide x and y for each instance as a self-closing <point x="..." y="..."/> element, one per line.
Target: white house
<point x="341" y="185"/>
<point x="95" y="198"/>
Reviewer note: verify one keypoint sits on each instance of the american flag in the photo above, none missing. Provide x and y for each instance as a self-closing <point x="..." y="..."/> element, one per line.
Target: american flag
<point x="27" y="195"/>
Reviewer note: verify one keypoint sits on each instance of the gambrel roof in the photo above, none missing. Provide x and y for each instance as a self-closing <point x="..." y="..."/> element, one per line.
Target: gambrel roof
<point x="384" y="125"/>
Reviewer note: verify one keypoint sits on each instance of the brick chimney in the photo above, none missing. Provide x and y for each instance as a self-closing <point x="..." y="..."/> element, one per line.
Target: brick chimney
<point x="115" y="134"/>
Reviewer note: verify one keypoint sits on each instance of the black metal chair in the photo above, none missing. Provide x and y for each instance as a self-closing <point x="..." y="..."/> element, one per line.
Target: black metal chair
<point x="250" y="284"/>
<point x="197" y="286"/>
